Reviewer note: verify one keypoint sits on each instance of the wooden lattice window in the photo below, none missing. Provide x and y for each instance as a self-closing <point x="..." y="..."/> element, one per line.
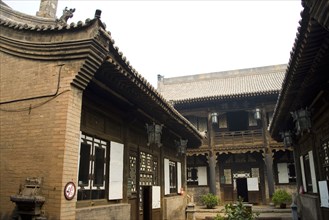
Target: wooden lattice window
<point x="192" y="175"/>
<point x="146" y="164"/>
<point x="146" y="169"/>
<point x="92" y="168"/>
<point x="155" y="171"/>
<point x="324" y="159"/>
<point x="172" y="176"/>
<point x="132" y="175"/>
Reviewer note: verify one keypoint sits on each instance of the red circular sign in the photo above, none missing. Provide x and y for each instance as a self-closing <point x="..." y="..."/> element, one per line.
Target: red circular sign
<point x="69" y="190"/>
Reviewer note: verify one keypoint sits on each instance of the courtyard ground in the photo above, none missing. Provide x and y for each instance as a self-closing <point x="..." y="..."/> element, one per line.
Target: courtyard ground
<point x="265" y="212"/>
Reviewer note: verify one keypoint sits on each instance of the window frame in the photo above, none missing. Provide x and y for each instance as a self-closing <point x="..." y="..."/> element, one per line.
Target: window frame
<point x="309" y="178"/>
<point x="172" y="177"/>
<point x="291" y="179"/>
<point x="90" y="190"/>
<point x="324" y="159"/>
<point x="111" y="187"/>
<point x="201" y="171"/>
<point x="192" y="176"/>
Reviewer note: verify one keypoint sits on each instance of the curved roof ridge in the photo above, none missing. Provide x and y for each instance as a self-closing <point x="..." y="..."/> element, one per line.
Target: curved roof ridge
<point x="16" y="19"/>
<point x="44" y="26"/>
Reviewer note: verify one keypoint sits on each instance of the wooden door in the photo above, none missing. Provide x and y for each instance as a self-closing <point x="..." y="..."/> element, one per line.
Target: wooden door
<point x="228" y="193"/>
<point x="242" y="189"/>
<point x="147" y="202"/>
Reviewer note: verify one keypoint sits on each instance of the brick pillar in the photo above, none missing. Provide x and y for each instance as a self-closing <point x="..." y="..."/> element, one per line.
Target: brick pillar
<point x="47" y="8"/>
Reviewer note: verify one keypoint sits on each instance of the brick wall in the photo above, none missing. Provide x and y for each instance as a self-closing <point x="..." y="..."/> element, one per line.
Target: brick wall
<point x="117" y="211"/>
<point x="40" y="136"/>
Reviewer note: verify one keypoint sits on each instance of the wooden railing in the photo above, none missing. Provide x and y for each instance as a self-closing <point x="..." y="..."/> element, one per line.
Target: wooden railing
<point x="238" y="138"/>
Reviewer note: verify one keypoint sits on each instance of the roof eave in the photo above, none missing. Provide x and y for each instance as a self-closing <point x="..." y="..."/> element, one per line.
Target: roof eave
<point x="223" y="97"/>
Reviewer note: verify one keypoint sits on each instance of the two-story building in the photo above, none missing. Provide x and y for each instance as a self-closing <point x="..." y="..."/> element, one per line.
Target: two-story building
<point x="83" y="135"/>
<point x="233" y="109"/>
<point x="302" y="110"/>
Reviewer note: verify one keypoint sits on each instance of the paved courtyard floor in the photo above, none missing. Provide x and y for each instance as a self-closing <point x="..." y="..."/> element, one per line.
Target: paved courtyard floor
<point x="265" y="212"/>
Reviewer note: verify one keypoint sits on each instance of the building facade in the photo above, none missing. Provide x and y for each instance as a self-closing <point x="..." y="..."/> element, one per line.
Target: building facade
<point x="92" y="136"/>
<point x="232" y="109"/>
<point x="301" y="116"/>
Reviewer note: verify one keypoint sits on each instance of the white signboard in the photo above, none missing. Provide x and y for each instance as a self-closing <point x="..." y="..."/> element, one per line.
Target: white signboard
<point x="252" y="184"/>
<point x="116" y="171"/>
<point x="283" y="173"/>
<point x="323" y="187"/>
<point x="312" y="168"/>
<point x="303" y="172"/>
<point x="166" y="177"/>
<point x="202" y="176"/>
<point x="156" y="198"/>
<point x="179" y="177"/>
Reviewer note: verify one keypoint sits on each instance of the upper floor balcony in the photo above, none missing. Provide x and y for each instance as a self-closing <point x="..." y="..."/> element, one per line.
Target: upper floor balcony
<point x="239" y="138"/>
<point x="239" y="142"/>
<point x="238" y="131"/>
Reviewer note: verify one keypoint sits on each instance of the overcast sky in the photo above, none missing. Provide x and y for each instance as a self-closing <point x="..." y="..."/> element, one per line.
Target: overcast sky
<point x="175" y="38"/>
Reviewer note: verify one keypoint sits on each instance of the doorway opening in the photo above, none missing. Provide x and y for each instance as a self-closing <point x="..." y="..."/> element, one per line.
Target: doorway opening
<point x="147" y="202"/>
<point x="242" y="188"/>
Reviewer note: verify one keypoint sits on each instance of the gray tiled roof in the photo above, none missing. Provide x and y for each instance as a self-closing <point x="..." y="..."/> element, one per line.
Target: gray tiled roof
<point x="228" y="84"/>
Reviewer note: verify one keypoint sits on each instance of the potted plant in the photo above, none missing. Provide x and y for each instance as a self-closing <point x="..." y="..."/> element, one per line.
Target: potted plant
<point x="209" y="200"/>
<point x="281" y="197"/>
<point x="238" y="211"/>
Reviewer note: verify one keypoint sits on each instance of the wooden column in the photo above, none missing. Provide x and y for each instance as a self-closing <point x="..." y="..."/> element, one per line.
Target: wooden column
<point x="267" y="154"/>
<point x="212" y="157"/>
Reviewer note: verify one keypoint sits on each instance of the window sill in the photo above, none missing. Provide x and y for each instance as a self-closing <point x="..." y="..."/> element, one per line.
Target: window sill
<point x="98" y="202"/>
<point x="172" y="194"/>
<point x="286" y="184"/>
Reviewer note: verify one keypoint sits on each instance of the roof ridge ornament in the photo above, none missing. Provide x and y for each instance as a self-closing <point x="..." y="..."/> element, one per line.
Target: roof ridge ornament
<point x="67" y="13"/>
<point x="98" y="13"/>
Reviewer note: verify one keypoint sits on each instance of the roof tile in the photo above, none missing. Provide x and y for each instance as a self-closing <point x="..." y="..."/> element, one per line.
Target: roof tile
<point x="244" y="82"/>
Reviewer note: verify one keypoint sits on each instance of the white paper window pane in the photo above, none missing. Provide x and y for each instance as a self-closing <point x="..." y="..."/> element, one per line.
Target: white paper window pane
<point x="252" y="184"/>
<point x="301" y="160"/>
<point x="179" y="177"/>
<point x="312" y="168"/>
<point x="283" y="173"/>
<point x="116" y="171"/>
<point x="166" y="177"/>
<point x="324" y="197"/>
<point x="156" y="197"/>
<point x="202" y="176"/>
